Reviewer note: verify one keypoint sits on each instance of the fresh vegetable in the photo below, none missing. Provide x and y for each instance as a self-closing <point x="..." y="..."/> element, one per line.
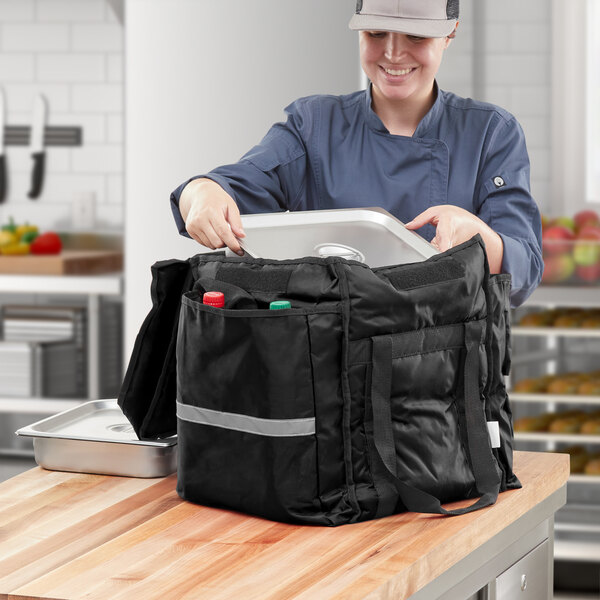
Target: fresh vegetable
<point x="15" y="248"/>
<point x="10" y="226"/>
<point x="46" y="243"/>
<point x="22" y="230"/>
<point x="7" y="238"/>
<point x="25" y="239"/>
<point x="29" y="236"/>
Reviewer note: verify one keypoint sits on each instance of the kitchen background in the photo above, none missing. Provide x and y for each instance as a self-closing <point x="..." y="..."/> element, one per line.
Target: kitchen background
<point x="165" y="89"/>
<point x="72" y="52"/>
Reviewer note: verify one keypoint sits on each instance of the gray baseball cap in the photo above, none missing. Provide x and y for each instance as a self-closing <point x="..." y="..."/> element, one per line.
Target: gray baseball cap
<point x="423" y="18"/>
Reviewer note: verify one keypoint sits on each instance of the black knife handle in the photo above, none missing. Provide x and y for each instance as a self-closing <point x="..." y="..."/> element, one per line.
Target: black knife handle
<point x="2" y="178"/>
<point x="38" y="174"/>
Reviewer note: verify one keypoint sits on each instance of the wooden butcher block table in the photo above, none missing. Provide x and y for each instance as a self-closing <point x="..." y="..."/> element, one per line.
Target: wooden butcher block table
<point x="68" y="262"/>
<point x="67" y="536"/>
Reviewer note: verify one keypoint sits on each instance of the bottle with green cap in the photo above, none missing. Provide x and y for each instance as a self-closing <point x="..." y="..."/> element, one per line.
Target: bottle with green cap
<point x="279" y="304"/>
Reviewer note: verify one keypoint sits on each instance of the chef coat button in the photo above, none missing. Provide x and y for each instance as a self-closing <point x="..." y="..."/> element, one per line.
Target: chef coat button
<point x="498" y="181"/>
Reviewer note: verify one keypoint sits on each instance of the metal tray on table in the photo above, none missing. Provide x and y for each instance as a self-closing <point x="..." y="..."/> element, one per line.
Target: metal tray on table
<point x="96" y="437"/>
<point x="368" y="235"/>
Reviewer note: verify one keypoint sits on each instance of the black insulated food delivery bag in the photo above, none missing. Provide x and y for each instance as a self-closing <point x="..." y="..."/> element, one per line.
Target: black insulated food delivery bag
<point x="380" y="390"/>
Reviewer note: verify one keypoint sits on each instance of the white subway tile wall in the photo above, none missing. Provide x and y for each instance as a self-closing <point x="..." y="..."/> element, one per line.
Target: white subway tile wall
<point x="72" y="52"/>
<point x="506" y="60"/>
<point x="23" y="10"/>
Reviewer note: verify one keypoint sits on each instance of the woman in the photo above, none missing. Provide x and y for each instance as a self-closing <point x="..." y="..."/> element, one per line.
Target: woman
<point x="447" y="166"/>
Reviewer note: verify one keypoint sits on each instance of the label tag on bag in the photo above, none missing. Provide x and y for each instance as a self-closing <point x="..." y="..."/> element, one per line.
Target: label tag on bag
<point x="494" y="433"/>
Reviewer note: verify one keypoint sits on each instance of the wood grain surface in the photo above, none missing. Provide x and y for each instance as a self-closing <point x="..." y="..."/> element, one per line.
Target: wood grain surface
<point x="68" y="262"/>
<point x="75" y="536"/>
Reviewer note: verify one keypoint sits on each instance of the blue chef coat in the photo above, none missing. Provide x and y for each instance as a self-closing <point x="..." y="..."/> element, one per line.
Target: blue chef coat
<point x="335" y="152"/>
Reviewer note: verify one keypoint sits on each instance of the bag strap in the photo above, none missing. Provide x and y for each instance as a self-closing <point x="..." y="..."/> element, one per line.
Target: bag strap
<point x="487" y="477"/>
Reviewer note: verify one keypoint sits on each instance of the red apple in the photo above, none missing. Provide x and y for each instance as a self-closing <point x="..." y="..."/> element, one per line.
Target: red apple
<point x="588" y="273"/>
<point x="589" y="232"/>
<point x="558" y="268"/>
<point x="557" y="239"/>
<point x="586" y="217"/>
<point x="567" y="222"/>
<point x="586" y="250"/>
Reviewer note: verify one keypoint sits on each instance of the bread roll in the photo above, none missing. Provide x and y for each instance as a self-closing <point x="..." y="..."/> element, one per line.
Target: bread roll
<point x="571" y="424"/>
<point x="578" y="463"/>
<point x="534" y="423"/>
<point x="591" y="427"/>
<point x="592" y="467"/>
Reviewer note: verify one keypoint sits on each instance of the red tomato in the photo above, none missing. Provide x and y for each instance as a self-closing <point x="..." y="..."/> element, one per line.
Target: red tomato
<point x="46" y="243"/>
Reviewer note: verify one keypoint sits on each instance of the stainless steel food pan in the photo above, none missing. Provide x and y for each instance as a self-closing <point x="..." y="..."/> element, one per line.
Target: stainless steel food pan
<point x="369" y="235"/>
<point x="95" y="437"/>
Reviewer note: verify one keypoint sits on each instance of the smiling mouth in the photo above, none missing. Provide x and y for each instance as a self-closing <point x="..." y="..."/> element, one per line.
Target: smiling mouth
<point x="398" y="72"/>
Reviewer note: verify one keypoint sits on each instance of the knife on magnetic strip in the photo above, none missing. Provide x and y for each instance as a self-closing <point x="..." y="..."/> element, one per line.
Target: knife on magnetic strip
<point x="2" y="158"/>
<point x="36" y="145"/>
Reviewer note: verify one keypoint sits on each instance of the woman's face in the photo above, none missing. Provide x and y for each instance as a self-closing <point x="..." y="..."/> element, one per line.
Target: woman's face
<point x="401" y="67"/>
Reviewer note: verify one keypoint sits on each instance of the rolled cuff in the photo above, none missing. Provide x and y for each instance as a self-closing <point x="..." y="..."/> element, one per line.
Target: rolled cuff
<point x="525" y="266"/>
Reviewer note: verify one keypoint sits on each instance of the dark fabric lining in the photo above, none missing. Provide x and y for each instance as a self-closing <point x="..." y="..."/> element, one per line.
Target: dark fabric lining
<point x="147" y="395"/>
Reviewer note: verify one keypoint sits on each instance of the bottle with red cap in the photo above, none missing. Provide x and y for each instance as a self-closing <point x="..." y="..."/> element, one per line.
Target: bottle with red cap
<point x="214" y="299"/>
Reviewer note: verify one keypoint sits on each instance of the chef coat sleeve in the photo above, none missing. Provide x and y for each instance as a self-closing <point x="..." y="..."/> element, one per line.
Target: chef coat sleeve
<point x="271" y="177"/>
<point x="506" y="205"/>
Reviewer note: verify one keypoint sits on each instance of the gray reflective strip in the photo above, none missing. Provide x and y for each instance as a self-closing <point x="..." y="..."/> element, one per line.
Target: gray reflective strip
<point x="237" y="422"/>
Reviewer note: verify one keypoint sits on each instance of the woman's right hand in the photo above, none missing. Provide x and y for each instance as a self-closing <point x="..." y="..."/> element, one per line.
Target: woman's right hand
<point x="211" y="215"/>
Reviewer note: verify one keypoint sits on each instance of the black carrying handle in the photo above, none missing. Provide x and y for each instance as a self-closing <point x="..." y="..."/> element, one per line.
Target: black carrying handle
<point x="2" y="178"/>
<point x="37" y="177"/>
<point x="487" y="477"/>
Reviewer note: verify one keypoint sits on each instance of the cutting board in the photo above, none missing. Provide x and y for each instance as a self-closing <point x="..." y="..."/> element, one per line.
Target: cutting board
<point x="68" y="262"/>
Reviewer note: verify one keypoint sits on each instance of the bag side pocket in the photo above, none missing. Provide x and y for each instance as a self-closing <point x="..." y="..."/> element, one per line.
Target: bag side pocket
<point x="429" y="428"/>
<point x="427" y="408"/>
<point x="246" y="411"/>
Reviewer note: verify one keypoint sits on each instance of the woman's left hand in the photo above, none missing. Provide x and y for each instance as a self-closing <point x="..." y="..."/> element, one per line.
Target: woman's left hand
<point x="455" y="225"/>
